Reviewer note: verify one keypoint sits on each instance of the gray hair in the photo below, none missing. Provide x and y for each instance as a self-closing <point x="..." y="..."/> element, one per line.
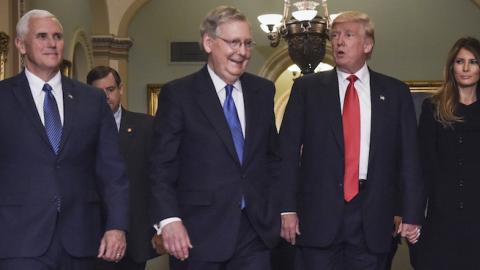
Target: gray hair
<point x="23" y="24"/>
<point x="218" y="16"/>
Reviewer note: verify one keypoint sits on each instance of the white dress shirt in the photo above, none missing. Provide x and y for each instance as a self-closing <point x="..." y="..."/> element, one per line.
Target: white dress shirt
<point x="36" y="85"/>
<point x="237" y="96"/>
<point x="118" y="117"/>
<point x="363" y="91"/>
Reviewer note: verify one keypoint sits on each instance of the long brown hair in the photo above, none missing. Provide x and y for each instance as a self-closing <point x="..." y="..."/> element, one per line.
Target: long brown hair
<point x="447" y="98"/>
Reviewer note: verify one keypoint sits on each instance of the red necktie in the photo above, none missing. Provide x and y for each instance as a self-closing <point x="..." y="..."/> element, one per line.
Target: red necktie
<point x="351" y="137"/>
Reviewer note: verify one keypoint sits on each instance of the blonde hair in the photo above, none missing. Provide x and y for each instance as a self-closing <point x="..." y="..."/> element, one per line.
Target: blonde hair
<point x="359" y="17"/>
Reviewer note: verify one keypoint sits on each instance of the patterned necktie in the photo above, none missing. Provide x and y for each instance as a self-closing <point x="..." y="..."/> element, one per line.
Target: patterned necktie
<point x="231" y="116"/>
<point x="53" y="124"/>
<point x="351" y="136"/>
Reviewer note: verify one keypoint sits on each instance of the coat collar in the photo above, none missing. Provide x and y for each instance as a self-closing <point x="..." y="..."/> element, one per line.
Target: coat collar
<point x="209" y="103"/>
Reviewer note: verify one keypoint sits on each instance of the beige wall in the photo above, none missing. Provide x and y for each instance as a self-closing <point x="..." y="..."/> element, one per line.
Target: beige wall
<point x="412" y="37"/>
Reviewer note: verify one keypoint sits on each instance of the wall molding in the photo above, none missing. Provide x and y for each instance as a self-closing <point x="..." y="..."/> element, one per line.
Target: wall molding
<point x="111" y="46"/>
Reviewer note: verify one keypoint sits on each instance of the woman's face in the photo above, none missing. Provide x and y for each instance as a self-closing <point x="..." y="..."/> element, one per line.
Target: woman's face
<point x="466" y="69"/>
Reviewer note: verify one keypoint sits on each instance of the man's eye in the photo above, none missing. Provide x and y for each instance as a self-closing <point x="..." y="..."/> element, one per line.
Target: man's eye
<point x="58" y="36"/>
<point x="236" y="43"/>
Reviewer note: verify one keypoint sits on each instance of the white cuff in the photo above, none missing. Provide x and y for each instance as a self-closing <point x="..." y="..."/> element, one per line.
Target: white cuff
<point x="158" y="227"/>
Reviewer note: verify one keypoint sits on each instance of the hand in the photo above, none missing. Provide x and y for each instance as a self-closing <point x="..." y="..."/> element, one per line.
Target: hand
<point x="290" y="227"/>
<point x="157" y="244"/>
<point x="410" y="231"/>
<point x="112" y="246"/>
<point x="176" y="240"/>
<point x="397" y="220"/>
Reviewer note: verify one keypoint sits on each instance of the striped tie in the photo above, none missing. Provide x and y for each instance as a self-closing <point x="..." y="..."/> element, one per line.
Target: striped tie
<point x="53" y="124"/>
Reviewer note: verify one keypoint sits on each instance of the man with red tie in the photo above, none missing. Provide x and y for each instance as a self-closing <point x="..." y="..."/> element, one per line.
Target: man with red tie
<point x="348" y="140"/>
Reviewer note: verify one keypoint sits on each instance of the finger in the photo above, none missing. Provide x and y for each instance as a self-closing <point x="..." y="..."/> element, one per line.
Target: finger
<point x="400" y="228"/>
<point x="101" y="249"/>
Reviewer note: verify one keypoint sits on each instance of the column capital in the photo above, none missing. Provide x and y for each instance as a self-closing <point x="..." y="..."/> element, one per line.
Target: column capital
<point x="111" y="46"/>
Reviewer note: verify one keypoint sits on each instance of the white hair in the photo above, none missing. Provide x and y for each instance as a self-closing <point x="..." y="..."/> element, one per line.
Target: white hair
<point x="23" y="24"/>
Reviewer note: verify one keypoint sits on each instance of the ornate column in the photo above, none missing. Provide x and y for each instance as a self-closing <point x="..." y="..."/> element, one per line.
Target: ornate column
<point x="4" y="38"/>
<point x="110" y="50"/>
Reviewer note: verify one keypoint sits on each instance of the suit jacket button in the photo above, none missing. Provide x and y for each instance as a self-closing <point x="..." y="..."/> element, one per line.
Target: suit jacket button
<point x="460" y="205"/>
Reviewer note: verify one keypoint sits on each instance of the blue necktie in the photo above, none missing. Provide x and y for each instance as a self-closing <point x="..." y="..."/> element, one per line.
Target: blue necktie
<point x="231" y="115"/>
<point x="53" y="124"/>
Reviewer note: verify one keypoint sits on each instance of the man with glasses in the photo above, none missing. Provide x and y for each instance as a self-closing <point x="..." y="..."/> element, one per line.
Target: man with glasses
<point x="214" y="151"/>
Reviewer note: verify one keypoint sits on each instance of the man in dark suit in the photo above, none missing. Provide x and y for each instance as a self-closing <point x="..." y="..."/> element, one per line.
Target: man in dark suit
<point x="348" y="141"/>
<point x="135" y="130"/>
<point x="59" y="162"/>
<point x="214" y="156"/>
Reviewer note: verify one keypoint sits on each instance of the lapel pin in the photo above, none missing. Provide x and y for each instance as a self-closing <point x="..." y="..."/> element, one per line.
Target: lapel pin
<point x="70" y="96"/>
<point x="382" y="98"/>
<point x="129" y="130"/>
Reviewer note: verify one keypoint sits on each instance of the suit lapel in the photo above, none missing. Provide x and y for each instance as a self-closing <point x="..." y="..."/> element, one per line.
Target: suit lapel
<point x="211" y="107"/>
<point x="23" y="94"/>
<point x="250" y="99"/>
<point x="125" y="129"/>
<point x="379" y="108"/>
<point x="70" y="108"/>
<point x="333" y="99"/>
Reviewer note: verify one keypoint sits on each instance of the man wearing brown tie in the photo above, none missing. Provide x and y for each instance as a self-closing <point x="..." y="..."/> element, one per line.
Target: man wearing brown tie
<point x="348" y="139"/>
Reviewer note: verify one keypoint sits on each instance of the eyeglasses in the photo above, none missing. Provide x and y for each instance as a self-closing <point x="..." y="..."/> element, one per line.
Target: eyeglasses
<point x="236" y="43"/>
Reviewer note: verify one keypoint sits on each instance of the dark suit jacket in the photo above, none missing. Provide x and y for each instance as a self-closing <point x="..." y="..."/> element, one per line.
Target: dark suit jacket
<point x="87" y="173"/>
<point x="314" y="179"/>
<point x="196" y="173"/>
<point x="135" y="142"/>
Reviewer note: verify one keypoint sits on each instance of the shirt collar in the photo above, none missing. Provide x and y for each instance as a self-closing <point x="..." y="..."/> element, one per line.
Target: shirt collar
<point x="219" y="84"/>
<point x="37" y="84"/>
<point x="362" y="74"/>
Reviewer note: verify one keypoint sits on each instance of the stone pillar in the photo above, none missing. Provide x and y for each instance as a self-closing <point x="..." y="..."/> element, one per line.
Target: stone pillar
<point x="110" y="50"/>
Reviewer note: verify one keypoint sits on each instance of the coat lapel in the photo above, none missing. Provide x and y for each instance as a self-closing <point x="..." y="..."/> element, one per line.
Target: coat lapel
<point x="23" y="94"/>
<point x="125" y="130"/>
<point x="250" y="99"/>
<point x="333" y="99"/>
<point x="211" y="107"/>
<point x="70" y="108"/>
<point x="379" y="108"/>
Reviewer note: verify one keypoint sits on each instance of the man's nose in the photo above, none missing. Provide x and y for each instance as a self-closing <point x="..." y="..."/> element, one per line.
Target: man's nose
<point x="51" y="42"/>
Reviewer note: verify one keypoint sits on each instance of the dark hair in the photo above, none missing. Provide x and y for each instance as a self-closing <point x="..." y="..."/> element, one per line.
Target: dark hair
<point x="447" y="97"/>
<point x="100" y="72"/>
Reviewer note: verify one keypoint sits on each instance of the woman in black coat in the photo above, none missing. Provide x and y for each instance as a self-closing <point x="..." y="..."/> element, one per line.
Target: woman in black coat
<point x="449" y="131"/>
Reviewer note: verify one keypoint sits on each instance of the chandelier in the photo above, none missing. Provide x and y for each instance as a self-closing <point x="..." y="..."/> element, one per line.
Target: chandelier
<point x="305" y="32"/>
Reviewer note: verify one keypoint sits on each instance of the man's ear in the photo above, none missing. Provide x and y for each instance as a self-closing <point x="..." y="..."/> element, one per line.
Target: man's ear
<point x="368" y="46"/>
<point x="120" y="88"/>
<point x="207" y="42"/>
<point x="20" y="44"/>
